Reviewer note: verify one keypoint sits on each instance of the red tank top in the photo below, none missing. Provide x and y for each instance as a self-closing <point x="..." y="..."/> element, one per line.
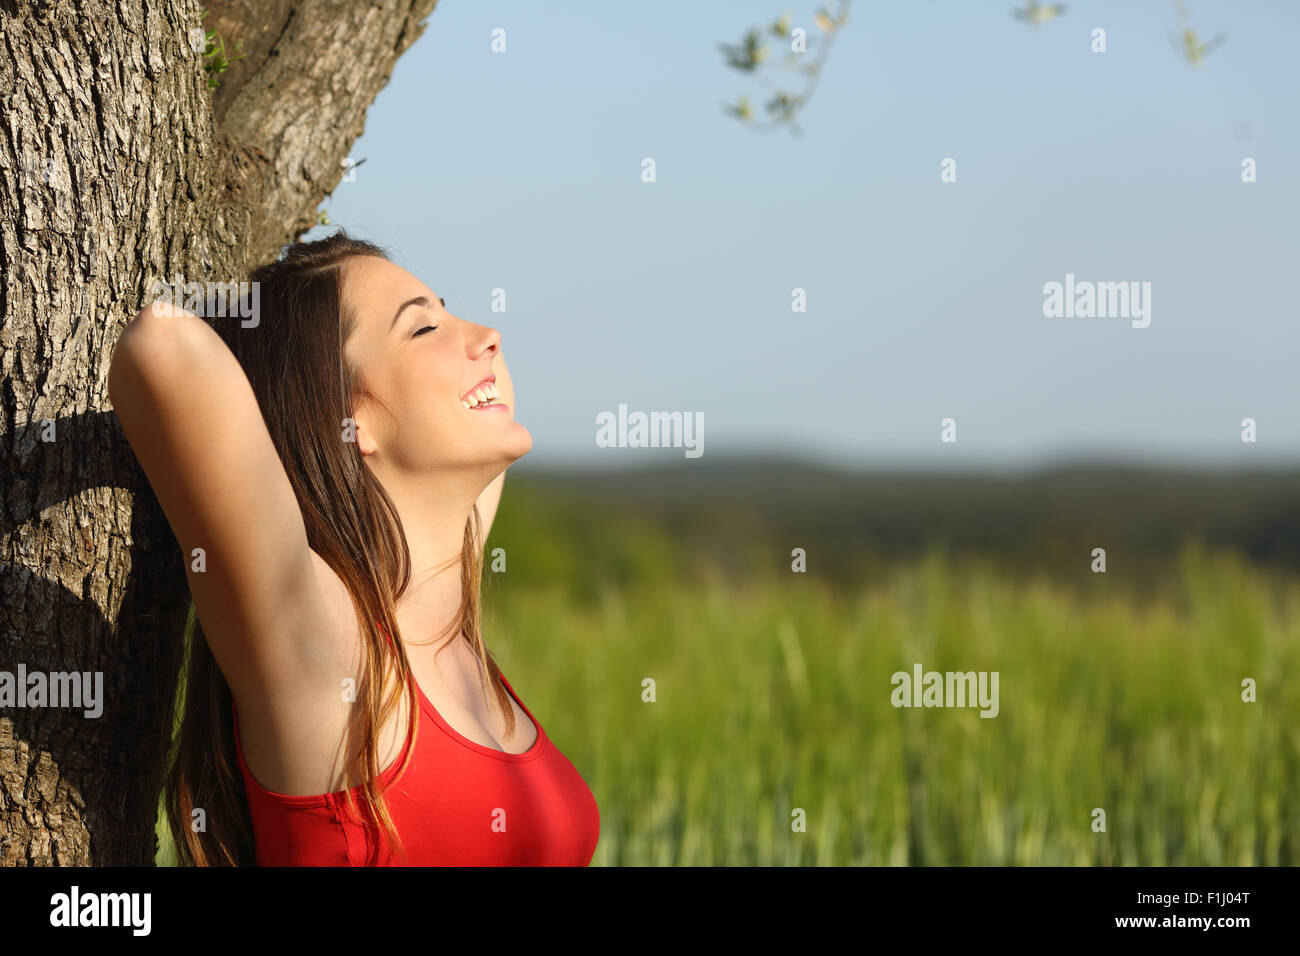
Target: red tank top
<point x="459" y="803"/>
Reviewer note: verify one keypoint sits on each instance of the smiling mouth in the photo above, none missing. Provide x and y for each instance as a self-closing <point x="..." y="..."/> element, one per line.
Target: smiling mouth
<point x="485" y="396"/>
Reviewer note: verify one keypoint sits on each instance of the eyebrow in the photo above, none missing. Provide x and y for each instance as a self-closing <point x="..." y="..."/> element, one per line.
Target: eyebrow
<point x="420" y="300"/>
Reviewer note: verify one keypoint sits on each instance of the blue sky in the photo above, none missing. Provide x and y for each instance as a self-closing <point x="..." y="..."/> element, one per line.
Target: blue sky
<point x="522" y="170"/>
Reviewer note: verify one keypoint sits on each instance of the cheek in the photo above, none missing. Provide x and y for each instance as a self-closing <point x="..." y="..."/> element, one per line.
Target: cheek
<point x="442" y="417"/>
<point x="424" y="392"/>
<point x="432" y="399"/>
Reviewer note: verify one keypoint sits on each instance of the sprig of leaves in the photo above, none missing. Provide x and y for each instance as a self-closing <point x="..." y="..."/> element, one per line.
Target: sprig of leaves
<point x="754" y="50"/>
<point x="216" y="59"/>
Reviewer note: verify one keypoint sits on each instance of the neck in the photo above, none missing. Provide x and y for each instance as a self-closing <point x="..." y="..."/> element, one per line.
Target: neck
<point x="433" y="518"/>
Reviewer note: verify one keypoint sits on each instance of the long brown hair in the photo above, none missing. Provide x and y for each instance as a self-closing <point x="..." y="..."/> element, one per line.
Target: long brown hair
<point x="295" y="361"/>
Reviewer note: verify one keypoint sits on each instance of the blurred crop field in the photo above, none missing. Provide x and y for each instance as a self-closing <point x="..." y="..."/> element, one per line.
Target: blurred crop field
<point x="772" y="689"/>
<point x="777" y="697"/>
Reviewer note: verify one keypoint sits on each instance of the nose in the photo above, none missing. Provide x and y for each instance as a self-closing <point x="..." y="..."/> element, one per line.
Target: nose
<point x="484" y="342"/>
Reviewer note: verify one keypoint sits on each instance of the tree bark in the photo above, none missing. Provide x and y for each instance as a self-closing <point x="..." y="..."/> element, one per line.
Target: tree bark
<point x="121" y="167"/>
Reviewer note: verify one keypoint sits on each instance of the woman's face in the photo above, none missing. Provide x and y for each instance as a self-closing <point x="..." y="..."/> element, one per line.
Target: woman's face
<point x="423" y="363"/>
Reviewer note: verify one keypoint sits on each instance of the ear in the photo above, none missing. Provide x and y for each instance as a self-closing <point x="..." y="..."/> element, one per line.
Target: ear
<point x="364" y="432"/>
<point x="365" y="444"/>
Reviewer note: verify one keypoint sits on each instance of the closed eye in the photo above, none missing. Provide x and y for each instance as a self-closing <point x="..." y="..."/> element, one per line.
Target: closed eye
<point x="427" y="328"/>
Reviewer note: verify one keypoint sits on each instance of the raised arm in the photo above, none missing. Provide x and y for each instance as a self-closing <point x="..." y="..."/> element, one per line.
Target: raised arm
<point x="189" y="412"/>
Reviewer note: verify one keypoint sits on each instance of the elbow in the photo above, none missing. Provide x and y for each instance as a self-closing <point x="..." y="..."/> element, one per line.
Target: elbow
<point x="143" y="343"/>
<point x="126" y="352"/>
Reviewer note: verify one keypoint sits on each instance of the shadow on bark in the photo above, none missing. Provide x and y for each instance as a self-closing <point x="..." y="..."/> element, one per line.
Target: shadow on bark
<point x="61" y="771"/>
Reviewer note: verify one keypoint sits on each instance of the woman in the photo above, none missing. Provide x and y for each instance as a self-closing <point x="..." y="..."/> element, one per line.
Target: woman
<point x="330" y="472"/>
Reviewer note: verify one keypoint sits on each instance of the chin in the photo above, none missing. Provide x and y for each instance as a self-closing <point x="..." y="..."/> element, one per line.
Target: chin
<point x="521" y="441"/>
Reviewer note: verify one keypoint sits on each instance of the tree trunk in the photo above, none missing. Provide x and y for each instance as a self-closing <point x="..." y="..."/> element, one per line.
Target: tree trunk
<point x="122" y="167"/>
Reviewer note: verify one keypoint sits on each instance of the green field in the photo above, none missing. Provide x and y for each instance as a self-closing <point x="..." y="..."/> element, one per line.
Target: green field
<point x="777" y="697"/>
<point x="774" y="695"/>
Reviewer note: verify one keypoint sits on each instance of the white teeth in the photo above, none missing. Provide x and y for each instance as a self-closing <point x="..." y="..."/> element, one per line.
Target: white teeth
<point x="486" y="395"/>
